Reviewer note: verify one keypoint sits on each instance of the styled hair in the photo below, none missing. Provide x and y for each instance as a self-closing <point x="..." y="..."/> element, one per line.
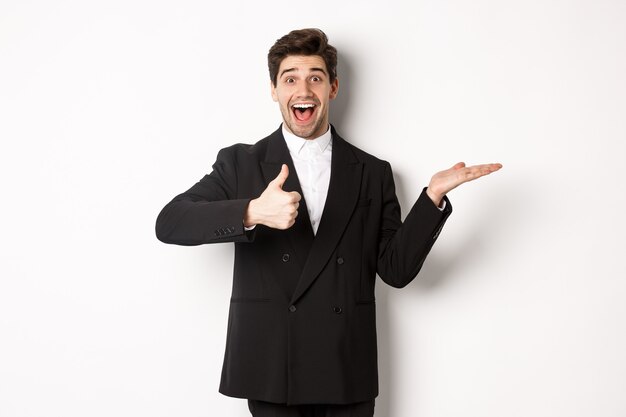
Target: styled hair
<point x="302" y="42"/>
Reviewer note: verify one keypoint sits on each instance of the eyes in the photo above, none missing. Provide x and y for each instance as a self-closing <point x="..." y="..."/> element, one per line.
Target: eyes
<point x="312" y="78"/>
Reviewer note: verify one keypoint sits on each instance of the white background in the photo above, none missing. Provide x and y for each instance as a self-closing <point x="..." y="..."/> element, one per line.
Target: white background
<point x="110" y="108"/>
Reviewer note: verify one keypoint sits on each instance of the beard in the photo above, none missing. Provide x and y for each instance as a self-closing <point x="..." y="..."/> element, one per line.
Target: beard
<point x="315" y="128"/>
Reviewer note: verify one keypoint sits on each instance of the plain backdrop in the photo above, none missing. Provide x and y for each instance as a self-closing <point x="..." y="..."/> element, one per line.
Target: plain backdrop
<point x="110" y="108"/>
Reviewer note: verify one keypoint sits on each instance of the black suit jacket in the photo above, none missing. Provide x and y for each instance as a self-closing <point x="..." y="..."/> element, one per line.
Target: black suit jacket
<point x="302" y="320"/>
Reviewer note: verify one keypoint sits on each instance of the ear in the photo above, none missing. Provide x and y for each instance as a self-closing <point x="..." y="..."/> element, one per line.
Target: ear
<point x="334" y="89"/>
<point x="274" y="94"/>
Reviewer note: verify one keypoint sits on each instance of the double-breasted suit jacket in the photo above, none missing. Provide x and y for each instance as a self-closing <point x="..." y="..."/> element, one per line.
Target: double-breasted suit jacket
<point x="302" y="319"/>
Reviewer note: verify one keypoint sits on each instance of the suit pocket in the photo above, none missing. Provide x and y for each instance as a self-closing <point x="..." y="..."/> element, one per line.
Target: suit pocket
<point x="364" y="202"/>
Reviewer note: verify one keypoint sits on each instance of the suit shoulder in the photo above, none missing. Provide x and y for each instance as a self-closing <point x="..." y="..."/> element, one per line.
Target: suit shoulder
<point x="367" y="158"/>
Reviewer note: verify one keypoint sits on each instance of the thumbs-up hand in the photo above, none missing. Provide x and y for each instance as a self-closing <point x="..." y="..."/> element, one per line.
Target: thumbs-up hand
<point x="274" y="208"/>
<point x="280" y="178"/>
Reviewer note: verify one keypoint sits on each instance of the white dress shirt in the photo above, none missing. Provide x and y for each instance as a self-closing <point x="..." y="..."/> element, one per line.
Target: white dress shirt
<point x="311" y="158"/>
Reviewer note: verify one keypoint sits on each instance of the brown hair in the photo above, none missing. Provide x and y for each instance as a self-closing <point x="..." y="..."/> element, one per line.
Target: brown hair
<point x="302" y="42"/>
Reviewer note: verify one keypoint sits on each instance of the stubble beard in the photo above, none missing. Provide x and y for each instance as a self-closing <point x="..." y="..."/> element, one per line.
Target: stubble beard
<point x="303" y="132"/>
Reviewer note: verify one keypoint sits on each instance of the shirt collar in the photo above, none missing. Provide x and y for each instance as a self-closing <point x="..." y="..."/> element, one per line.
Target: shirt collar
<point x="296" y="143"/>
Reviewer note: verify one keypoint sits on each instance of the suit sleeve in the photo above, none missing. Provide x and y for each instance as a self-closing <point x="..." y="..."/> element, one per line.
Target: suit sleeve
<point x="403" y="247"/>
<point x="208" y="212"/>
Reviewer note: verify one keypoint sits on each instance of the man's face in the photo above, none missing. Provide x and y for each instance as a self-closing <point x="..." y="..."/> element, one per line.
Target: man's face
<point x="303" y="92"/>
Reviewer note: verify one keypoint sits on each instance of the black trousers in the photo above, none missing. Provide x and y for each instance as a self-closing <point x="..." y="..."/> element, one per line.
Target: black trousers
<point x="265" y="409"/>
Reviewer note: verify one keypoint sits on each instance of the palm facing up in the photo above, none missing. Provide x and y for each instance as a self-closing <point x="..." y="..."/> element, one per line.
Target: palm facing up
<point x="447" y="180"/>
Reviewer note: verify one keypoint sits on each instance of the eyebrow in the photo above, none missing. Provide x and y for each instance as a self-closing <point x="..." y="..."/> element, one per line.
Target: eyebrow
<point x="315" y="69"/>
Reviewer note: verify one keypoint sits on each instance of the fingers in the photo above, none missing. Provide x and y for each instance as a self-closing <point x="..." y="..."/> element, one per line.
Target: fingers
<point x="288" y="216"/>
<point x="487" y="168"/>
<point x="278" y="208"/>
<point x="295" y="196"/>
<point x="477" y="171"/>
<point x="295" y="201"/>
<point x="445" y="181"/>
<point x="281" y="177"/>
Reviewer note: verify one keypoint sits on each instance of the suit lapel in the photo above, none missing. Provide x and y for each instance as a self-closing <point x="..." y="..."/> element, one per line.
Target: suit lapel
<point x="343" y="193"/>
<point x="301" y="233"/>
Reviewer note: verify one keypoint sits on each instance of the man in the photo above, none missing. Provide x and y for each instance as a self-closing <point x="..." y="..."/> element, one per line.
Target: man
<point x="301" y="330"/>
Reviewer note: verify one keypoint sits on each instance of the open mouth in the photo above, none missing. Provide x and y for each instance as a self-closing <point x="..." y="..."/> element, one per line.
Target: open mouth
<point x="303" y="111"/>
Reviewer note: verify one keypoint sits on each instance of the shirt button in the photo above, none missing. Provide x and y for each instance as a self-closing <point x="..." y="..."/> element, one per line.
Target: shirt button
<point x="340" y="261"/>
<point x="292" y="308"/>
<point x="285" y="257"/>
<point x="337" y="310"/>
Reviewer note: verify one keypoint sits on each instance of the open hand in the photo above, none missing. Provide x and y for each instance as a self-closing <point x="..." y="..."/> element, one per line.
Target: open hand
<point x="274" y="208"/>
<point x="445" y="181"/>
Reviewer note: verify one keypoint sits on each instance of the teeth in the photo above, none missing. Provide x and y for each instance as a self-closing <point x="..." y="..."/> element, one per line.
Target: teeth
<point x="303" y="106"/>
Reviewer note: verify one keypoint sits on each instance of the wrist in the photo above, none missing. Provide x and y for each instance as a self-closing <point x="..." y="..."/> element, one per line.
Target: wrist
<point x="435" y="197"/>
<point x="250" y="218"/>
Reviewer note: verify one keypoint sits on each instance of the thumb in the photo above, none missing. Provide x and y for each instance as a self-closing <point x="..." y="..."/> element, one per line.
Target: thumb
<point x="282" y="176"/>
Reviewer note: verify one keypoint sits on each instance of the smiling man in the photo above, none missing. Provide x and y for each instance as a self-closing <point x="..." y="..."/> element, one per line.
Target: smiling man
<point x="314" y="220"/>
<point x="303" y="89"/>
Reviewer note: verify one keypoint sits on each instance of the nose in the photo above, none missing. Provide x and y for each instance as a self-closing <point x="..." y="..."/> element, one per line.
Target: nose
<point x="304" y="89"/>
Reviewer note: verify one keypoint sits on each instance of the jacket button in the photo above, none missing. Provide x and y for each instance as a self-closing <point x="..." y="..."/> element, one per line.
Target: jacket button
<point x="340" y="261"/>
<point x="286" y="257"/>
<point x="292" y="308"/>
<point x="337" y="310"/>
